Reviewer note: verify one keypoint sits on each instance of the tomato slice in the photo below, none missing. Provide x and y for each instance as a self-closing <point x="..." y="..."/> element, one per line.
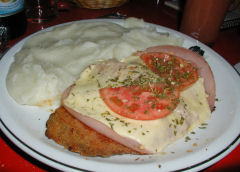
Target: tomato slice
<point x="141" y="102"/>
<point x="176" y="71"/>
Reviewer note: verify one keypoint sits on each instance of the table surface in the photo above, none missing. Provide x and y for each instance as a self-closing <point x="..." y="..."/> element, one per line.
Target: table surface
<point x="227" y="45"/>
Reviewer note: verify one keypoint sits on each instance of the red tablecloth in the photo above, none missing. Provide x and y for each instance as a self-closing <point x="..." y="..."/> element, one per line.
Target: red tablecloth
<point x="227" y="45"/>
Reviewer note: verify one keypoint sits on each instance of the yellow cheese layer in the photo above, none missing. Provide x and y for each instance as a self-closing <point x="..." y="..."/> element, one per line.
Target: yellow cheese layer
<point x="153" y="135"/>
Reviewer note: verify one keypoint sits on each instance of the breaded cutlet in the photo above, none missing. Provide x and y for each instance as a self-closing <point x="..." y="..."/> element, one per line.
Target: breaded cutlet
<point x="75" y="136"/>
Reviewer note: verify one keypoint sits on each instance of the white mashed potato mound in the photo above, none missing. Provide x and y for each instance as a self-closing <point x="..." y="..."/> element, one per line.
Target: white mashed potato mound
<point x="51" y="61"/>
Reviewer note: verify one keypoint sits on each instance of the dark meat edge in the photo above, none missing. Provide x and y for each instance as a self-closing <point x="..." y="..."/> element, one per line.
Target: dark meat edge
<point x="75" y="136"/>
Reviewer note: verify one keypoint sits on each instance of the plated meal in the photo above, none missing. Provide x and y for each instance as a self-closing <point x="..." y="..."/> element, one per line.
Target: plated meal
<point x="112" y="90"/>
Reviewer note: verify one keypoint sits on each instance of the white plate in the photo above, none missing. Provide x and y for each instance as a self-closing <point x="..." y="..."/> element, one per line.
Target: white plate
<point x="25" y="126"/>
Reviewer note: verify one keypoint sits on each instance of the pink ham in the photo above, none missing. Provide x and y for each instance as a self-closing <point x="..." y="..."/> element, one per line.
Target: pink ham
<point x="103" y="129"/>
<point x="197" y="61"/>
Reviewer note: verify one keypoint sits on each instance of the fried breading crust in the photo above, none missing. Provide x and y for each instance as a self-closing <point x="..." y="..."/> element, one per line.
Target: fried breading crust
<point x="75" y="136"/>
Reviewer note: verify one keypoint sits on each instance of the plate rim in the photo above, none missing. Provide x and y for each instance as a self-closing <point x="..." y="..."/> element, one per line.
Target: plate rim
<point x="8" y="133"/>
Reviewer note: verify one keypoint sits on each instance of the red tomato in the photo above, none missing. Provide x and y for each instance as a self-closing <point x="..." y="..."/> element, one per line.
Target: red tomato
<point x="141" y="102"/>
<point x="176" y="71"/>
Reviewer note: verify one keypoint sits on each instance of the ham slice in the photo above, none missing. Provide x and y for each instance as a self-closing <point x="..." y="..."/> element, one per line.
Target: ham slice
<point x="103" y="129"/>
<point x="197" y="61"/>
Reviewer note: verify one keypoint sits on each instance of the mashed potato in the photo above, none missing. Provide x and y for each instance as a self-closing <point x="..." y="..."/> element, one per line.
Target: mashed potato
<point x="51" y="61"/>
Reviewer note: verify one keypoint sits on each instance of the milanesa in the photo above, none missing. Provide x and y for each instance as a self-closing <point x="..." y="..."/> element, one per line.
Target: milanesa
<point x="75" y="136"/>
<point x="85" y="103"/>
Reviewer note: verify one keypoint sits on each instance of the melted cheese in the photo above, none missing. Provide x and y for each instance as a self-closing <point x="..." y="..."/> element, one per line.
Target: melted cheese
<point x="153" y="135"/>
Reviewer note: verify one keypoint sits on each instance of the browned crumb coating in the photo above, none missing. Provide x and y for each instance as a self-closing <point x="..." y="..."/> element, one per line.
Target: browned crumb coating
<point x="75" y="136"/>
